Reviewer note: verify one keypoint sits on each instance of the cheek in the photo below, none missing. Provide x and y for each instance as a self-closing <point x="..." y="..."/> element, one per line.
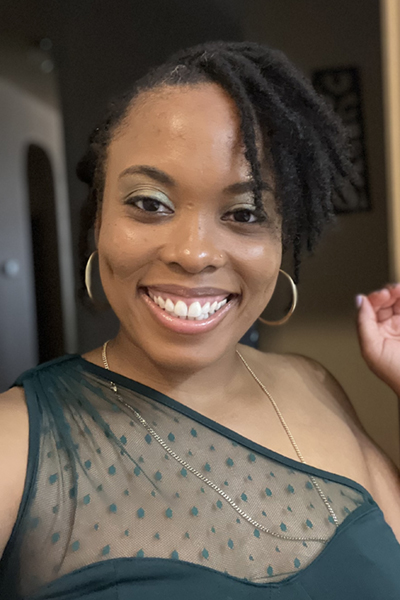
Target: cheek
<point x="125" y="250"/>
<point x="259" y="265"/>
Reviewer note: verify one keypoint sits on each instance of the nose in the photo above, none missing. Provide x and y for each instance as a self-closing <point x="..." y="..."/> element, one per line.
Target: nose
<point x="193" y="246"/>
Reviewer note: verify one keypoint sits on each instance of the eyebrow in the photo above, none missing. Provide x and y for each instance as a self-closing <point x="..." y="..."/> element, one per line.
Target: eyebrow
<point x="161" y="177"/>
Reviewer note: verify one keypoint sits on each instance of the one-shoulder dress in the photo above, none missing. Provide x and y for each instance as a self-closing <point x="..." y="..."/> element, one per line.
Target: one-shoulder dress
<point x="132" y="495"/>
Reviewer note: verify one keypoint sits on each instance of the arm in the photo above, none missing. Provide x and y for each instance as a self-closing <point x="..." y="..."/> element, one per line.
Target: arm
<point x="14" y="439"/>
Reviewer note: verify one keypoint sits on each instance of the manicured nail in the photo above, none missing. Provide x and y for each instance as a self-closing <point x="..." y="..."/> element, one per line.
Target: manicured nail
<point x="359" y="300"/>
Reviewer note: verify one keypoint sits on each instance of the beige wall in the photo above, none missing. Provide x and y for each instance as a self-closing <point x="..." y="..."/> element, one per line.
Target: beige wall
<point x="353" y="257"/>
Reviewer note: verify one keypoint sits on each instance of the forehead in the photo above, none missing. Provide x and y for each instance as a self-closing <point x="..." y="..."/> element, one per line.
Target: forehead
<point x="195" y="127"/>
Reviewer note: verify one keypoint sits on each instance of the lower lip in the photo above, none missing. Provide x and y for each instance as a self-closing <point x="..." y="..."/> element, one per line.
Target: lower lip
<point x="183" y="325"/>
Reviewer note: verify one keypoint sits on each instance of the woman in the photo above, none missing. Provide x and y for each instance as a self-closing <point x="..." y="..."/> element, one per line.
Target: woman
<point x="171" y="461"/>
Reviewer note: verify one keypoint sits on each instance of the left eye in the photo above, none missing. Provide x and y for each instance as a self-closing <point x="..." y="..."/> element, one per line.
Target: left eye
<point x="243" y="216"/>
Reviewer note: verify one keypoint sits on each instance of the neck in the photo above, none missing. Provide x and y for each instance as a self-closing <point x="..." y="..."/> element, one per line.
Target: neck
<point x="220" y="380"/>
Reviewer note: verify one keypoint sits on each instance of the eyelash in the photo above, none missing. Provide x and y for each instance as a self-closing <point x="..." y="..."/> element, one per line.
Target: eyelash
<point x="259" y="215"/>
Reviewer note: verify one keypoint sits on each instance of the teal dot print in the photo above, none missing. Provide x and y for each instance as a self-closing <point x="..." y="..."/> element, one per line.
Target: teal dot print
<point x="229" y="462"/>
<point x="289" y="509"/>
<point x="207" y="467"/>
<point x="72" y="492"/>
<point x="54" y="538"/>
<point x="205" y="553"/>
<point x="171" y="437"/>
<point x="106" y="550"/>
<point x="98" y="450"/>
<point x="99" y="488"/>
<point x="212" y="448"/>
<point x="219" y="503"/>
<point x="140" y="513"/>
<point x="244" y="497"/>
<point x="53" y="478"/>
<point x="264" y="513"/>
<point x="268" y="492"/>
<point x="141" y="459"/>
<point x="195" y="511"/>
<point x="126" y="532"/>
<point x="86" y="499"/>
<point x="153" y="493"/>
<point x="175" y="555"/>
<point x="250" y="557"/>
<point x="55" y="509"/>
<point x="256" y="533"/>
<point x="331" y="520"/>
<point x="238" y="521"/>
<point x="283" y="527"/>
<point x="290" y="489"/>
<point x="230" y="544"/>
<point x="187" y="536"/>
<point x="88" y="464"/>
<point x="112" y="470"/>
<point x="270" y="571"/>
<point x="277" y="549"/>
<point x="213" y="529"/>
<point x="137" y="470"/>
<point x="309" y="524"/>
<point x="296" y="563"/>
<point x="226" y="483"/>
<point x="96" y="526"/>
<point x="140" y="553"/>
<point x="177" y="495"/>
<point x="203" y="491"/>
<point x="157" y="536"/>
<point x="190" y="453"/>
<point x="168" y="513"/>
<point x="252" y="457"/>
<point x="147" y="437"/>
<point x="249" y="477"/>
<point x="309" y="485"/>
<point x="183" y="472"/>
<point x="158" y="476"/>
<point x="75" y="546"/>
<point x="305" y="545"/>
<point x="272" y="474"/>
<point x="193" y="432"/>
<point x="113" y="508"/>
<point x="123" y="439"/>
<point x="126" y="492"/>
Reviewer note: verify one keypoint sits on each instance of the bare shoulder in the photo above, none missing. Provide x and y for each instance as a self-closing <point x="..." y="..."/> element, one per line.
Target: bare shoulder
<point x="14" y="440"/>
<point x="318" y="392"/>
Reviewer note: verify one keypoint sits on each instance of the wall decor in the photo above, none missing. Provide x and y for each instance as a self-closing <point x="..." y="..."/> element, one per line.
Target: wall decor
<point x="342" y="89"/>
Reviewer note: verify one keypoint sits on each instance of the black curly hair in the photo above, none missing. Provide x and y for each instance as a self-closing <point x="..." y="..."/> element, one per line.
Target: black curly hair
<point x="304" y="138"/>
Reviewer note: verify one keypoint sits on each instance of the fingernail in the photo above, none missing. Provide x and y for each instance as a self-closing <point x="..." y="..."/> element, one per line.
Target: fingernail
<point x="359" y="300"/>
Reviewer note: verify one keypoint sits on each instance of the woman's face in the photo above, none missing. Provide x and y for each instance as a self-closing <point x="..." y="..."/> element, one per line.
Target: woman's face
<point x="186" y="262"/>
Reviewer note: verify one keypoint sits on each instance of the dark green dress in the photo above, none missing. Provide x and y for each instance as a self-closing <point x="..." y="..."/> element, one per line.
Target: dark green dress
<point x="163" y="503"/>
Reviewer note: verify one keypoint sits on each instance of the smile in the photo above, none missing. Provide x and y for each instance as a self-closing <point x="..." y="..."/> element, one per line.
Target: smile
<point x="189" y="311"/>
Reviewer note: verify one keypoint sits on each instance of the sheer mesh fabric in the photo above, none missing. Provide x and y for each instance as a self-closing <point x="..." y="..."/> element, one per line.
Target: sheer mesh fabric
<point x="106" y="489"/>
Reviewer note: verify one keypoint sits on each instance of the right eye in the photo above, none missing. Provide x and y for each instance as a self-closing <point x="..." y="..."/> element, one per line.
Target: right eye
<point x="148" y="204"/>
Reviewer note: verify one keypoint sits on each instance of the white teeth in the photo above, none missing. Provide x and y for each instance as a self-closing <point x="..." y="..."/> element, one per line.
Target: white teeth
<point x="213" y="307"/>
<point x="181" y="309"/>
<point x="194" y="309"/>
<point x="194" y="312"/>
<point x="206" y="308"/>
<point x="169" y="305"/>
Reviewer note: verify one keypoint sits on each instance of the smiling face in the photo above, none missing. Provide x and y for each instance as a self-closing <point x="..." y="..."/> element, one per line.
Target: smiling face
<point x="186" y="261"/>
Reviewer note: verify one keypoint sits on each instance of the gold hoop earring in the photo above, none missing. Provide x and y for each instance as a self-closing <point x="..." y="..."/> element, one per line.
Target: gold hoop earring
<point x="295" y="296"/>
<point x="88" y="282"/>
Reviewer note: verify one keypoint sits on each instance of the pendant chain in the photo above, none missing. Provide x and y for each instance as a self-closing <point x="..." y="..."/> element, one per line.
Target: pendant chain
<point x="210" y="483"/>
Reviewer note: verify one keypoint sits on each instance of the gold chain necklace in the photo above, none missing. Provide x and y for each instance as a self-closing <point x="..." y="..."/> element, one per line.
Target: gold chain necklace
<point x="210" y="483"/>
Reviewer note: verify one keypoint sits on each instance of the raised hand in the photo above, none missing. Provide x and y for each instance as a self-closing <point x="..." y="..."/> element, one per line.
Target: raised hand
<point x="378" y="324"/>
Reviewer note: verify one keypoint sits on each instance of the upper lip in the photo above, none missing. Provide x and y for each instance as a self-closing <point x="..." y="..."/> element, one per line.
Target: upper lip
<point x="186" y="292"/>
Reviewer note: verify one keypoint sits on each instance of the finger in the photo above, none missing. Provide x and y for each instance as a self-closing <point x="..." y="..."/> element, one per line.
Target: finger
<point x="367" y="326"/>
<point x="396" y="307"/>
<point x="380" y="298"/>
<point x="384" y="313"/>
